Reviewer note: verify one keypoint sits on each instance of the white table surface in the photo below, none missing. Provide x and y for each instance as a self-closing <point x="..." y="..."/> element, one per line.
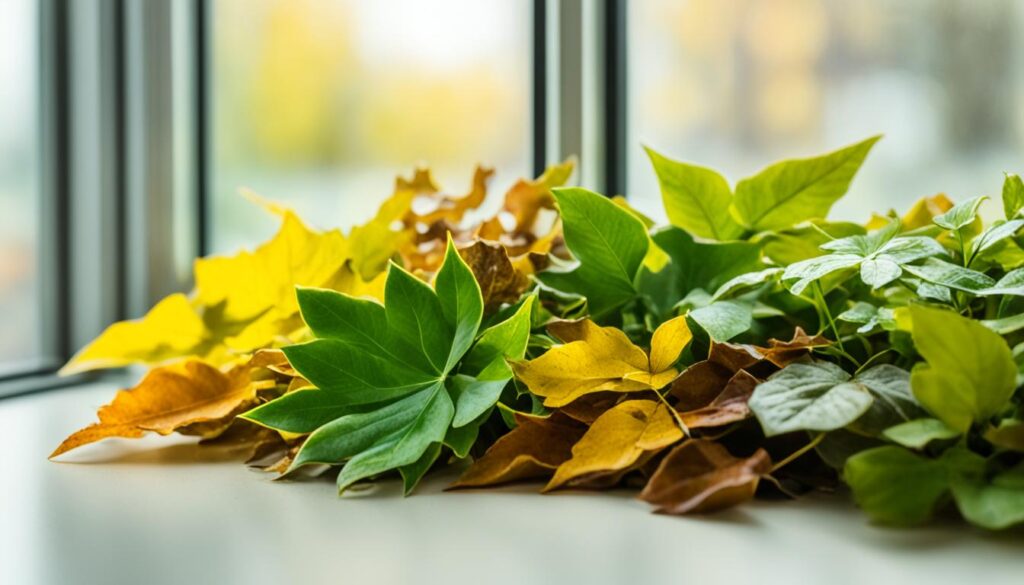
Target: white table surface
<point x="164" y="510"/>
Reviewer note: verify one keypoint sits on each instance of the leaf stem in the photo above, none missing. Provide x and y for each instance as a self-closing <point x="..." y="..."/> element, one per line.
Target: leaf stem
<point x="828" y="314"/>
<point x="798" y="453"/>
<point x="675" y="415"/>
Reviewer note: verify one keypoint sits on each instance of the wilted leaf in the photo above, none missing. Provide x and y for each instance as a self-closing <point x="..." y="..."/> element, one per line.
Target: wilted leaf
<point x="499" y="281"/>
<point x="783" y="353"/>
<point x="169" y="398"/>
<point x="535" y="448"/>
<point x="616" y="441"/>
<point x="702" y="476"/>
<point x="731" y="404"/>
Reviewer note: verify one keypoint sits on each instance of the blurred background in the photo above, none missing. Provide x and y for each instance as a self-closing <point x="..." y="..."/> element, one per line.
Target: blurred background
<point x="129" y="127"/>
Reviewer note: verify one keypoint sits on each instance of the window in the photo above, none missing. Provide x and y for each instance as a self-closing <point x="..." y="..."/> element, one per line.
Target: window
<point x="319" y="104"/>
<point x="737" y="84"/>
<point x="21" y="325"/>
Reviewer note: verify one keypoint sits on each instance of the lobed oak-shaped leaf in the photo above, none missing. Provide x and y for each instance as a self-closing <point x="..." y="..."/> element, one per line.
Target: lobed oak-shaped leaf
<point x="169" y="399"/>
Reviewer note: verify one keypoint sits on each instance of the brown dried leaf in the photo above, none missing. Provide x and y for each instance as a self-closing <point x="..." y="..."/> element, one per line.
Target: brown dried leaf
<point x="168" y="399"/>
<point x="440" y="207"/>
<point x="587" y="409"/>
<point x="499" y="280"/>
<point x="728" y="407"/>
<point x="702" y="476"/>
<point x="535" y="448"/>
<point x="783" y="353"/>
<point x="616" y="442"/>
<point x="699" y="384"/>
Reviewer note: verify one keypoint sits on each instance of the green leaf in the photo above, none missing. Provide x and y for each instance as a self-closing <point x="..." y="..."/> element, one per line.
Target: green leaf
<point x="806" y="272"/>
<point x="893" y="403"/>
<point x="993" y="235"/>
<point x="609" y="244"/>
<point x="970" y="373"/>
<point x="917" y="433"/>
<point x="796" y="244"/>
<point x="992" y="501"/>
<point x="695" y="265"/>
<point x="952" y="276"/>
<point x="813" y="396"/>
<point x="723" y="320"/>
<point x="414" y="472"/>
<point x="1012" y="283"/>
<point x="1005" y="325"/>
<point x="960" y="215"/>
<point x="696" y="199"/>
<point x="462" y="304"/>
<point x="894" y="486"/>
<point x="744" y="281"/>
<point x="303" y="411"/>
<point x="1013" y="195"/>
<point x="787" y="193"/>
<point x="878" y="272"/>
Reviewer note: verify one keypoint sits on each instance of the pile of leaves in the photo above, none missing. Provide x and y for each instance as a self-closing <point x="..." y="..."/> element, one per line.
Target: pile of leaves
<point x="751" y="347"/>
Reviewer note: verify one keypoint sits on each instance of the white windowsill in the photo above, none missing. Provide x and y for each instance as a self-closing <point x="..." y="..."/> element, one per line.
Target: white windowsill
<point x="162" y="510"/>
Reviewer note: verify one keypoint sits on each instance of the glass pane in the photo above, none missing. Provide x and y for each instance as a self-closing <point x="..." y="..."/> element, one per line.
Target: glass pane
<point x="20" y="308"/>
<point x="320" y="104"/>
<point x="737" y="84"/>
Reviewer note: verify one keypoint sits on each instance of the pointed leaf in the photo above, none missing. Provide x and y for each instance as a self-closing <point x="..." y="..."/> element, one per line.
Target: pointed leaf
<point x="696" y="199"/>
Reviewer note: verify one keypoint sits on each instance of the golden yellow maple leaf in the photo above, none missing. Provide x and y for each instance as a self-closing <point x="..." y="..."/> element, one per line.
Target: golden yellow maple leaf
<point x="597" y="358"/>
<point x="617" y="441"/>
<point x="169" y="398"/>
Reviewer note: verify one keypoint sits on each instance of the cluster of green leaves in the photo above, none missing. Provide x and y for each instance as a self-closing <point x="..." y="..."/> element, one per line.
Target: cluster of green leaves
<point x="653" y="352"/>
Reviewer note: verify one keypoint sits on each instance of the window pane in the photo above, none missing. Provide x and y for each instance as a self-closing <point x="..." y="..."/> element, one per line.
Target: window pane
<point x="20" y="309"/>
<point x="737" y="84"/>
<point x="320" y="104"/>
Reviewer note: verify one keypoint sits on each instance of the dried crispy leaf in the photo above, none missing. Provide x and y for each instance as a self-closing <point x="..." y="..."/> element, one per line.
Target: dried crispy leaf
<point x="702" y="476"/>
<point x="500" y="282"/>
<point x="617" y="440"/>
<point x="440" y="207"/>
<point x="168" y="399"/>
<point x="600" y="358"/>
<point x="535" y="448"/>
<point x="782" y="353"/>
<point x="728" y="407"/>
<point x="525" y="200"/>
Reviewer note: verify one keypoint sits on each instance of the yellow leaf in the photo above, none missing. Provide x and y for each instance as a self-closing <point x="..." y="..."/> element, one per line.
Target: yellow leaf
<point x="260" y="285"/>
<point x="172" y="328"/>
<point x="169" y="398"/>
<point x="616" y="441"/>
<point x="372" y="244"/>
<point x="918" y="216"/>
<point x="598" y="358"/>
<point x="668" y="342"/>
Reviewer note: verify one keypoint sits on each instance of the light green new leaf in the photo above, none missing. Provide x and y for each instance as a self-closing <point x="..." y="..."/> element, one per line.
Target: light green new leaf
<point x="970" y="373"/>
<point x="1013" y="195"/>
<point x="960" y="215"/>
<point x="696" y="199"/>
<point x="813" y="396"/>
<point x="894" y="486"/>
<point x="608" y="242"/>
<point x="917" y="433"/>
<point x="795" y="244"/>
<point x="789" y="192"/>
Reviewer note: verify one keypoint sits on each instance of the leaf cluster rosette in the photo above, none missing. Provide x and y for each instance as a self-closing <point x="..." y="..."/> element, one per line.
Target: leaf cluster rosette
<point x="751" y="346"/>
